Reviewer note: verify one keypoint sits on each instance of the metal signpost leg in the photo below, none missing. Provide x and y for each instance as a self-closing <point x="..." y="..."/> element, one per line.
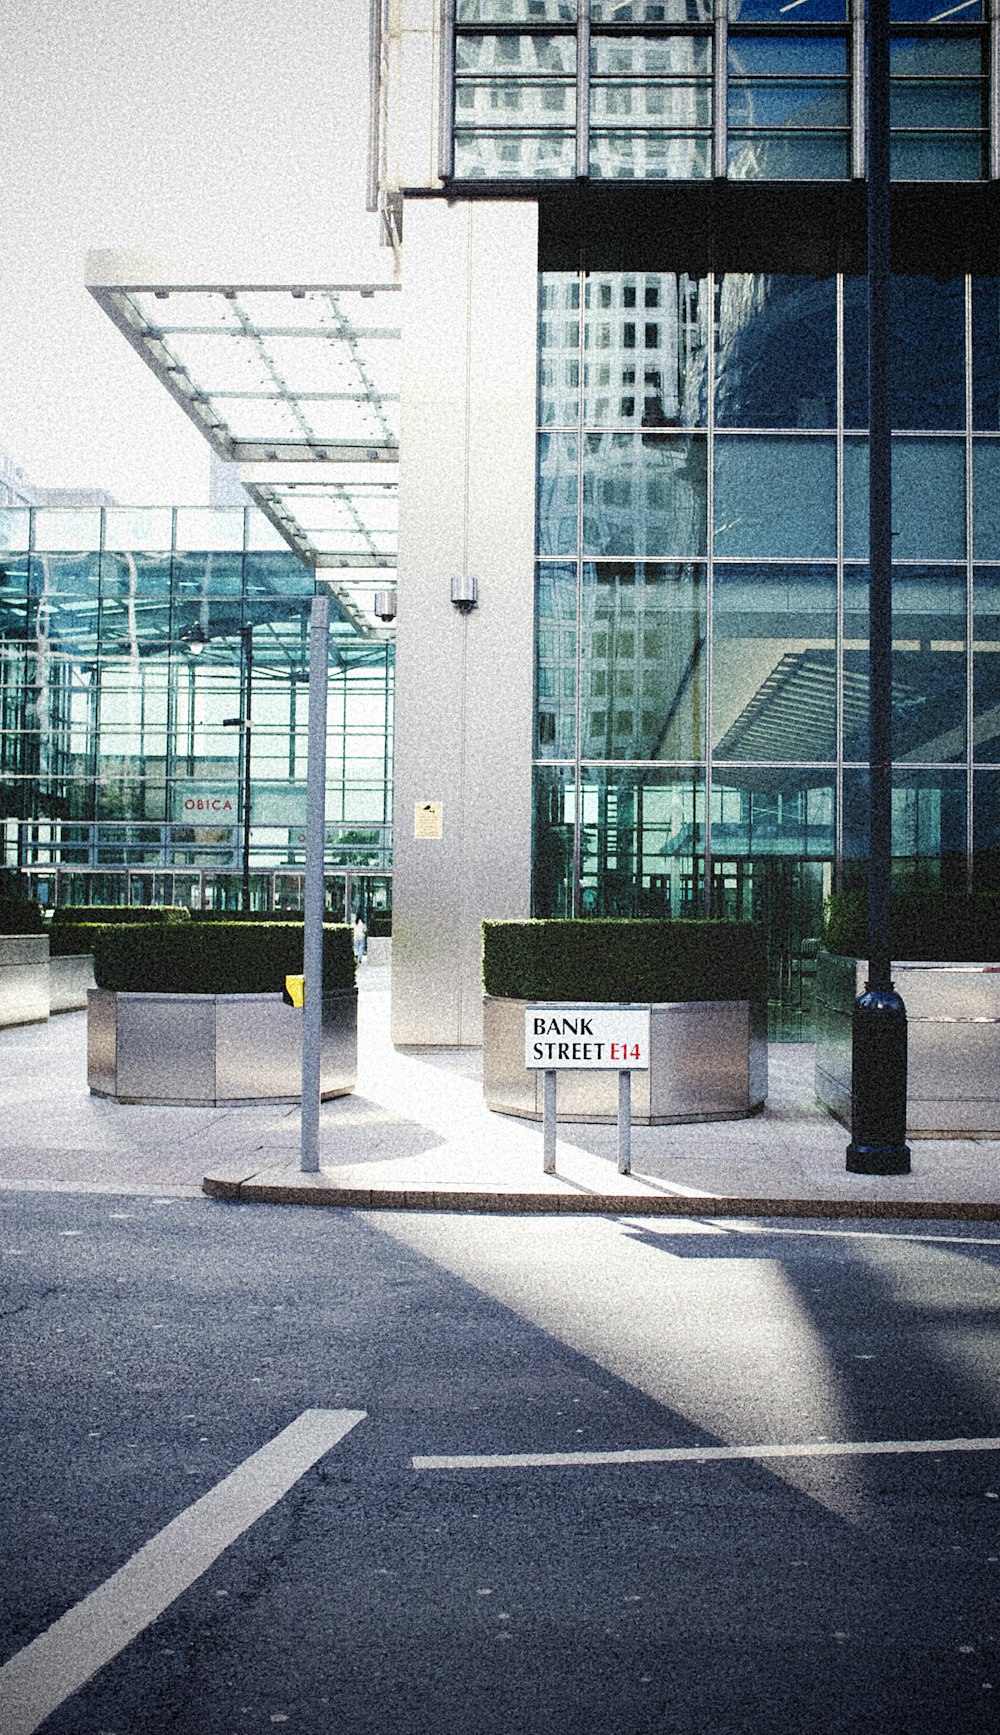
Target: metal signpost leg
<point x="548" y="1123"/>
<point x="624" y="1123"/>
<point x="312" y="951"/>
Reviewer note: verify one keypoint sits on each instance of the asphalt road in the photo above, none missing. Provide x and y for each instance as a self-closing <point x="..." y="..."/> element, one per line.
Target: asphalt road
<point x="152" y="1348"/>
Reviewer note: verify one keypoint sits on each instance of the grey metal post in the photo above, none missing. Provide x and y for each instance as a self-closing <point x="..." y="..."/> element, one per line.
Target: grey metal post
<point x="549" y="1123"/>
<point x="625" y="1123"/>
<point x="312" y="949"/>
<point x="246" y="640"/>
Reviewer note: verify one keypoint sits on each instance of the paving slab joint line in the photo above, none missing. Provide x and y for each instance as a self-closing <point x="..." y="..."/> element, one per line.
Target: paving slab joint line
<point x="605" y="1204"/>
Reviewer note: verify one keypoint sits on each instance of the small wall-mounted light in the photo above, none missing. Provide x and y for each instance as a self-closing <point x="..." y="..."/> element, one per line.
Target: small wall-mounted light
<point x="464" y="594"/>
<point x="385" y="605"/>
<point x="197" y="640"/>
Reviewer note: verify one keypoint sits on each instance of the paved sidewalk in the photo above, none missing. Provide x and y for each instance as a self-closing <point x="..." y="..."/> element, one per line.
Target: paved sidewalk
<point x="415" y="1135"/>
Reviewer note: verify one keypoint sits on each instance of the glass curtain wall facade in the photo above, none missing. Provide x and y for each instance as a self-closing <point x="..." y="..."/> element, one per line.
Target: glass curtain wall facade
<point x="135" y="647"/>
<point x="702" y="660"/>
<point x="687" y="90"/>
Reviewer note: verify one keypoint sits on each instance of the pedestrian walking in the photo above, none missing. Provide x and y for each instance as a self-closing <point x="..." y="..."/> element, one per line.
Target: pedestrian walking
<point x="360" y="932"/>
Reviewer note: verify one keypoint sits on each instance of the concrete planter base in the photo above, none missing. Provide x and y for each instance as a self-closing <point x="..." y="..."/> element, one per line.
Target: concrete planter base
<point x="953" y="1044"/>
<point x="24" y="979"/>
<point x="709" y="1063"/>
<point x="71" y="976"/>
<point x="217" y="1050"/>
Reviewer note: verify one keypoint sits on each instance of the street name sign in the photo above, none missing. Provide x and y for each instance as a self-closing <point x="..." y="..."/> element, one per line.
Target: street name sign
<point x="586" y="1038"/>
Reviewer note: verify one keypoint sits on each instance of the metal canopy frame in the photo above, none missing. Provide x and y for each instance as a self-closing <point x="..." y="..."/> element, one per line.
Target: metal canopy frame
<point x="300" y="388"/>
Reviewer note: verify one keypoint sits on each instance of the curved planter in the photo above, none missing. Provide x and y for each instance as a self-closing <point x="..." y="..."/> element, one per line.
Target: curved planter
<point x="952" y="1040"/>
<point x="708" y="1063"/>
<point x="24" y="979"/>
<point x="71" y="977"/>
<point x="219" y="1050"/>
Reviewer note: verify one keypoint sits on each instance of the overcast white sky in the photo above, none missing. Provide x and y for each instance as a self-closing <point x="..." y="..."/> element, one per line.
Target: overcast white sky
<point x="230" y="131"/>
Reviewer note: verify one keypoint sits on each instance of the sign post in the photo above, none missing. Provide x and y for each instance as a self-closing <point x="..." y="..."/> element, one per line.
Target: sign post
<point x="561" y="1037"/>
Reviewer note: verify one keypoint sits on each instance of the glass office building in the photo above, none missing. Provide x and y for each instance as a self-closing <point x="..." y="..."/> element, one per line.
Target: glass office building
<point x="143" y="655"/>
<point x="683" y="183"/>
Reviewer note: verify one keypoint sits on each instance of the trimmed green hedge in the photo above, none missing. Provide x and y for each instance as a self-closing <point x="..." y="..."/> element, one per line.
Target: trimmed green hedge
<point x="161" y="914"/>
<point x="596" y="959"/>
<point x="214" y="958"/>
<point x="937" y="927"/>
<point x="247" y="916"/>
<point x="20" y="916"/>
<point x="68" y="939"/>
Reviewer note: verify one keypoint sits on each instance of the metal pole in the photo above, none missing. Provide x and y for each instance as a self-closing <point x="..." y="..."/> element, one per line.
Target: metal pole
<point x="878" y="1110"/>
<point x="246" y="638"/>
<point x="625" y="1123"/>
<point x="312" y="951"/>
<point x="549" y="1123"/>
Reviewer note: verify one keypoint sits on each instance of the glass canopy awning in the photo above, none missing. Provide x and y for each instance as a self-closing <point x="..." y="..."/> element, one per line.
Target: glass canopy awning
<point x="300" y="388"/>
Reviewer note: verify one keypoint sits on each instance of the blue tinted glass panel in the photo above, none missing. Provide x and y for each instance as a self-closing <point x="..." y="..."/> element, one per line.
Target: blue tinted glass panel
<point x="651" y="11"/>
<point x="776" y="351"/>
<point x="641" y="843"/>
<point x="986" y="499"/>
<point x="646" y="343"/>
<point x="937" y="157"/>
<point x="277" y="574"/>
<point x="927" y="352"/>
<point x="928" y="663"/>
<point x="928" y="500"/>
<point x="935" y="56"/>
<point x="927" y="105"/>
<point x="145" y="575"/>
<point x="774" y="662"/>
<point x="986" y="665"/>
<point x="65" y="574"/>
<point x="933" y="11"/>
<point x="776" y="12"/>
<point x="775" y="496"/>
<point x="650" y="156"/>
<point x="555" y="661"/>
<point x="515" y="57"/>
<point x="986" y="830"/>
<point x="207" y="575"/>
<point x="515" y="11"/>
<point x="644" y="495"/>
<point x="986" y="352"/>
<point x="928" y="827"/>
<point x="515" y="156"/>
<point x="558" y="493"/>
<point x="787" y="156"/>
<point x="787" y="56"/>
<point x="643" y="693"/>
<point x="559" y="347"/>
<point x="783" y="103"/>
<point x="552" y="845"/>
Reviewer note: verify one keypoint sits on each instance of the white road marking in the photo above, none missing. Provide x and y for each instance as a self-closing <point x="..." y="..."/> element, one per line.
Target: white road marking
<point x="66" y="1656"/>
<point x="697" y="1454"/>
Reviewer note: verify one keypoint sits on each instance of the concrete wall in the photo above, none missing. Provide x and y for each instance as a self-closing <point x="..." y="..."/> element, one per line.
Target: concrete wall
<point x="464" y="683"/>
<point x="411" y="84"/>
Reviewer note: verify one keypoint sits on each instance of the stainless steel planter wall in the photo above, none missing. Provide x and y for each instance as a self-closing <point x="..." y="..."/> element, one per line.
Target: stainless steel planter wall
<point x="24" y="979"/>
<point x="708" y="1063"/>
<point x="71" y="976"/>
<point x="953" y="1043"/>
<point x="216" y="1049"/>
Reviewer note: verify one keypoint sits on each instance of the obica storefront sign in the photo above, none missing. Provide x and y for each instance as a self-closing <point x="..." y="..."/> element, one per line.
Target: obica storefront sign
<point x="586" y="1038"/>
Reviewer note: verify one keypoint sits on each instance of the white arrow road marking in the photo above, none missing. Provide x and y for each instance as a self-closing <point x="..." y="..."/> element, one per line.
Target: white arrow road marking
<point x="697" y="1454"/>
<point x="63" y="1658"/>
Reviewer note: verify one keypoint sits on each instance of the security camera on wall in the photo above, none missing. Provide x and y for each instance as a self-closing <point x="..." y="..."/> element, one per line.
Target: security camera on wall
<point x="385" y="605"/>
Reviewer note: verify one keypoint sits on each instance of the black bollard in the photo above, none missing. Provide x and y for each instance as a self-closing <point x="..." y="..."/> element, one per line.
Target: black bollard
<point x="878" y="1071"/>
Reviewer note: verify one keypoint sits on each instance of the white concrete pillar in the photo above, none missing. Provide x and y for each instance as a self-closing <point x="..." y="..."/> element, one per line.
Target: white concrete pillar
<point x="464" y="682"/>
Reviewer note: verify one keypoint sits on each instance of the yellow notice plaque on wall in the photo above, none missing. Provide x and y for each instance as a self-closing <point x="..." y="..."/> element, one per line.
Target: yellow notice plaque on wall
<point x="428" y="818"/>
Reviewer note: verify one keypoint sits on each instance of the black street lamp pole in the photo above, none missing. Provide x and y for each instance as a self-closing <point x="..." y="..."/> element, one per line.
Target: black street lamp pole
<point x="246" y="641"/>
<point x="878" y="1038"/>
